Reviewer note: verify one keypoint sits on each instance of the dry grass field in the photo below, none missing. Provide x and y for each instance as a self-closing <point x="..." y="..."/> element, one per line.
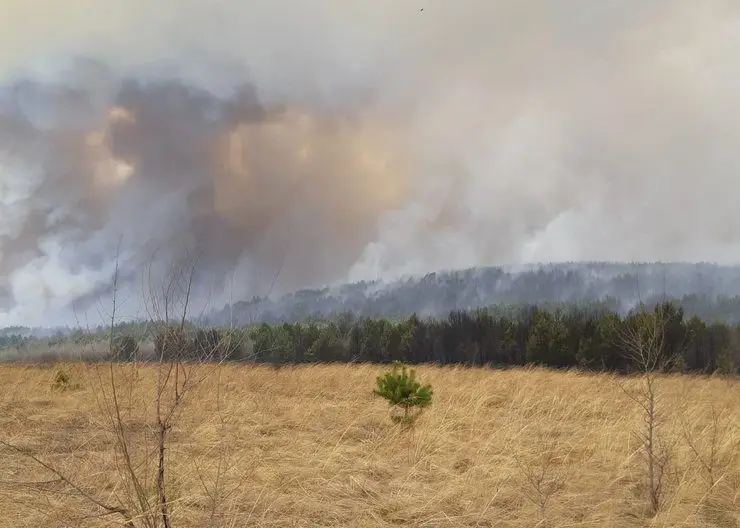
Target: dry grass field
<point x="312" y="446"/>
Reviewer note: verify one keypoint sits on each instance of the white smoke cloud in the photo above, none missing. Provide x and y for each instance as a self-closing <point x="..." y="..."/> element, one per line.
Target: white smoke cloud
<point x="335" y="140"/>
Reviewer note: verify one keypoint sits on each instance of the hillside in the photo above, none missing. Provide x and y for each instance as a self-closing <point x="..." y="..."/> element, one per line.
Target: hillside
<point x="706" y="290"/>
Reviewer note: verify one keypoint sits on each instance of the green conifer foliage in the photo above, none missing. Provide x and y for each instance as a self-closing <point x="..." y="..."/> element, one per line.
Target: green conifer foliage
<point x="402" y="390"/>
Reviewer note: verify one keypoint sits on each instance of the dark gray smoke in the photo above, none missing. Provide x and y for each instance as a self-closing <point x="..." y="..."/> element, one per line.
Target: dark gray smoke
<point x="335" y="140"/>
<point x="159" y="167"/>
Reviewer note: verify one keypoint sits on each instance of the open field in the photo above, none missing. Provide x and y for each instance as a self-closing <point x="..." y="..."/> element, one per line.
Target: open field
<point x="312" y="446"/>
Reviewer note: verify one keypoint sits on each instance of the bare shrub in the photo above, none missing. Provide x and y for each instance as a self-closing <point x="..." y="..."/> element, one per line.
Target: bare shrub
<point x="642" y="341"/>
<point x="544" y="473"/>
<point x="713" y="444"/>
<point x="145" y="499"/>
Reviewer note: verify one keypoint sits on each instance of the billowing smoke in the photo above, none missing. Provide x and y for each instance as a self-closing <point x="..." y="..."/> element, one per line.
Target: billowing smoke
<point x="320" y="141"/>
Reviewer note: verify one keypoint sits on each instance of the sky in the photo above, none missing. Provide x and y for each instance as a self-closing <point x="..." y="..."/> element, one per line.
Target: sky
<point x="284" y="145"/>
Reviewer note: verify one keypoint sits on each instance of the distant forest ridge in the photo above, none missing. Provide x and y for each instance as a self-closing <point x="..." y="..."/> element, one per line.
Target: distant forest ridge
<point x="709" y="291"/>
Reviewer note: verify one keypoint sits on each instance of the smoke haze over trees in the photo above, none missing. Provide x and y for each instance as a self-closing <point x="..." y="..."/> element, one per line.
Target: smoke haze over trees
<point x="706" y="290"/>
<point x="341" y="141"/>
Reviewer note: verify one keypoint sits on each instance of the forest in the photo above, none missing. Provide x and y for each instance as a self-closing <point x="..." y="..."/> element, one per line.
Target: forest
<point x="602" y="341"/>
<point x="587" y="316"/>
<point x="594" y="339"/>
<point x="709" y="291"/>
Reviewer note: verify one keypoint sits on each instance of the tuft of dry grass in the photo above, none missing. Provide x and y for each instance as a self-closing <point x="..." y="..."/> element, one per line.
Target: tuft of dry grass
<point x="311" y="446"/>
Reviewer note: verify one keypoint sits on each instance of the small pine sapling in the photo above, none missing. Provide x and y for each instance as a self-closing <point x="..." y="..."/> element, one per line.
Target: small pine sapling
<point x="63" y="381"/>
<point x="402" y="390"/>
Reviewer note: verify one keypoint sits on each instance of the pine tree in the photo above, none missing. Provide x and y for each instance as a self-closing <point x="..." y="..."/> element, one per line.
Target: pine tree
<point x="725" y="364"/>
<point x="124" y="348"/>
<point x="401" y="388"/>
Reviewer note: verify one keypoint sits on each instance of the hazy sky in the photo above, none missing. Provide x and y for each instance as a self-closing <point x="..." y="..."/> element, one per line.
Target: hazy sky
<point x="332" y="140"/>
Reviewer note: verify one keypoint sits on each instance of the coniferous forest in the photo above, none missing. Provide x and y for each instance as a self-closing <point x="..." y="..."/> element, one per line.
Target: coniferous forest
<point x="603" y="341"/>
<point x="709" y="291"/>
<point x="558" y="337"/>
<point x="585" y="316"/>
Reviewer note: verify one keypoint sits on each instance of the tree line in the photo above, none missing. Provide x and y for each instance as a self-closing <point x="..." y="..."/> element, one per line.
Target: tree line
<point x="561" y="339"/>
<point x="586" y="339"/>
<point x="585" y="336"/>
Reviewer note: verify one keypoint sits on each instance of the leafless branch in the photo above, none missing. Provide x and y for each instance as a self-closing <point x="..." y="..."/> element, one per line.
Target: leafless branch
<point x="66" y="480"/>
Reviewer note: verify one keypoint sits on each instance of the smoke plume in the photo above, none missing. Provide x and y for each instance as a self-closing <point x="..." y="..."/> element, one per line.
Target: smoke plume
<point x="320" y="141"/>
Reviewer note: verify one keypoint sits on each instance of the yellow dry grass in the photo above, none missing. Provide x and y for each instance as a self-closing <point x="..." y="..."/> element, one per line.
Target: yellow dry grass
<point x="311" y="446"/>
